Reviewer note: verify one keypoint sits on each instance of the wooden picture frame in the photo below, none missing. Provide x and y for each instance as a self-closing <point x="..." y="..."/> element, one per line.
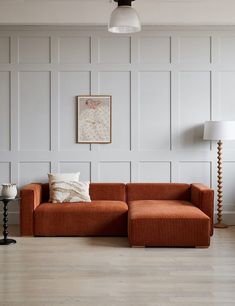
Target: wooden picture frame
<point x="94" y="119"/>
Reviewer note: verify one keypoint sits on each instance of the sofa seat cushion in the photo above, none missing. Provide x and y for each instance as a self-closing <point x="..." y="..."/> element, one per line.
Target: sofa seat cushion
<point x="96" y="218"/>
<point x="167" y="223"/>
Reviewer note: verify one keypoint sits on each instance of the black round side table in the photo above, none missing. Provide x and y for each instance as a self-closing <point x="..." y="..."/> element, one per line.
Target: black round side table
<point x="5" y="240"/>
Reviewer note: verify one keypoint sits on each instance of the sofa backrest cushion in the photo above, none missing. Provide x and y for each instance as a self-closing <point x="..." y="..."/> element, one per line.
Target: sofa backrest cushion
<point x="97" y="191"/>
<point x="108" y="191"/>
<point x="157" y="191"/>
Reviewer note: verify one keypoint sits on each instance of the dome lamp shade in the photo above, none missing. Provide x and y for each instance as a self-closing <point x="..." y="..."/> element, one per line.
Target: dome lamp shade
<point x="124" y="18"/>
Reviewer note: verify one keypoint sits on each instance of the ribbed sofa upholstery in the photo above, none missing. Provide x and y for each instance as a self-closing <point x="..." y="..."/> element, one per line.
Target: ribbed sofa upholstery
<point x="106" y="215"/>
<point x="152" y="214"/>
<point x="169" y="214"/>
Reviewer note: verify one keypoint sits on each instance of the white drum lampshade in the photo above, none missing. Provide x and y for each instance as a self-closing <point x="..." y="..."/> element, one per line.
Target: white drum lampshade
<point x="124" y="19"/>
<point x="219" y="130"/>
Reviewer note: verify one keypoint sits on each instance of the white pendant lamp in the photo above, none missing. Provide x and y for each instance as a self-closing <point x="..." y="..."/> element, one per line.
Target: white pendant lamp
<point x="124" y="18"/>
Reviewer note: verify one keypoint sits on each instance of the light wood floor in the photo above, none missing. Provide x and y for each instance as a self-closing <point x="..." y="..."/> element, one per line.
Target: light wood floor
<point x="105" y="271"/>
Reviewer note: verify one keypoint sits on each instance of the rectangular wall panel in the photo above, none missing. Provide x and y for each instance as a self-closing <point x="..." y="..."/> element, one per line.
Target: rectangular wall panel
<point x="195" y="172"/>
<point x="227" y="50"/>
<point x="114" y="50"/>
<point x="5" y="177"/>
<point x="75" y="50"/>
<point x="154" y="123"/>
<point x="83" y="167"/>
<point x="115" y="172"/>
<point x="71" y="84"/>
<point x="155" y="172"/>
<point x="5" y="173"/>
<point x="154" y="49"/>
<point x="117" y="84"/>
<point x="228" y="184"/>
<point x="34" y="50"/>
<point x="194" y="50"/>
<point x="227" y="101"/>
<point x="34" y="107"/>
<point x="33" y="172"/>
<point x="4" y="49"/>
<point x="4" y="111"/>
<point x="194" y="109"/>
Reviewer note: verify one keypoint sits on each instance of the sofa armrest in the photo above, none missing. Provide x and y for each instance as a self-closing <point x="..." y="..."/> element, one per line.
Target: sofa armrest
<point x="203" y="197"/>
<point x="31" y="196"/>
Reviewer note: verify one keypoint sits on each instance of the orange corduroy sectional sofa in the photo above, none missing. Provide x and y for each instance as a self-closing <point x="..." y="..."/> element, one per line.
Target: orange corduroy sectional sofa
<point x="151" y="214"/>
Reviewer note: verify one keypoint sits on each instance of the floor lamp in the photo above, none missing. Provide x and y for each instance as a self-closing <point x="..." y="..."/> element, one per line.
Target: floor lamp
<point x="219" y="131"/>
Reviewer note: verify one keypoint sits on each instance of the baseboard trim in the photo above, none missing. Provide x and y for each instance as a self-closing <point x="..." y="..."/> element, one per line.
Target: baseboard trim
<point x="228" y="217"/>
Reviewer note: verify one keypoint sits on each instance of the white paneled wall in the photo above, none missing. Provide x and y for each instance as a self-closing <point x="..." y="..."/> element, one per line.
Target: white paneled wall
<point x="164" y="82"/>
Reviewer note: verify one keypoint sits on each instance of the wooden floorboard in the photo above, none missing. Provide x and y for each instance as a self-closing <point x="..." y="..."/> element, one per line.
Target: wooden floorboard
<point x="106" y="271"/>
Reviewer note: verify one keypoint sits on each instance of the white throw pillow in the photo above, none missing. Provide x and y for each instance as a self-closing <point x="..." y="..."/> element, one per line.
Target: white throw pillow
<point x="70" y="191"/>
<point x="55" y="177"/>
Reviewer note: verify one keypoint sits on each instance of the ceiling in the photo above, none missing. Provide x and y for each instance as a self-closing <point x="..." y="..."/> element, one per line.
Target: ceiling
<point x="97" y="12"/>
<point x="110" y="1"/>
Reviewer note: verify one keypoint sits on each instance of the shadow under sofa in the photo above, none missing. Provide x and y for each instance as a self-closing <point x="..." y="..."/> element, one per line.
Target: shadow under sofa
<point x="151" y="214"/>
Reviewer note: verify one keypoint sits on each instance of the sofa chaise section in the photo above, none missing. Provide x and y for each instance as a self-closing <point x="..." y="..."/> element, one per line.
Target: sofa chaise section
<point x="169" y="214"/>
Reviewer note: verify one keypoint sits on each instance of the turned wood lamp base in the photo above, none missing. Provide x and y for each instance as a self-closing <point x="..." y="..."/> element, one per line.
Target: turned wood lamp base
<point x="220" y="225"/>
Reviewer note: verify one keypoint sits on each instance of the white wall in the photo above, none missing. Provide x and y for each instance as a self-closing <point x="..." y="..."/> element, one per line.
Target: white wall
<point x="165" y="83"/>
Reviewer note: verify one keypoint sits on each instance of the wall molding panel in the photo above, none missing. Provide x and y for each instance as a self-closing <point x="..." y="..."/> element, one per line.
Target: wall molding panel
<point x="164" y="82"/>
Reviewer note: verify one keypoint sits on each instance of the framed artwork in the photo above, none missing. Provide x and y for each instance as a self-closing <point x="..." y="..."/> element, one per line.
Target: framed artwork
<point x="94" y="119"/>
